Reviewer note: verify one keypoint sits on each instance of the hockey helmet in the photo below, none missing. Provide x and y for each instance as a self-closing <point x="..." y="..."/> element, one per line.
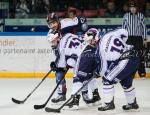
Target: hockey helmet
<point x="52" y="17"/>
<point x="92" y="33"/>
<point x="52" y="35"/>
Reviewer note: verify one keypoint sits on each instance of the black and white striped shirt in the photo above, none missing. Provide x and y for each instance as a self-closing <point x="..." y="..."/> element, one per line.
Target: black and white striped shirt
<point x="135" y="24"/>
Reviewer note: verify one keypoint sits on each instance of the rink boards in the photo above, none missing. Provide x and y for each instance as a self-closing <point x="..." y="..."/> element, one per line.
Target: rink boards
<point x="26" y="55"/>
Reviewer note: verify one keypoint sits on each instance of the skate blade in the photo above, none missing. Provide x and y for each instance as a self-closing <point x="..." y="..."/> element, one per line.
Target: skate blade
<point x="89" y="105"/>
<point x="111" y="111"/>
<point x="98" y="103"/>
<point x="58" y="103"/>
<point x="71" y="108"/>
<point x="74" y="108"/>
<point x="132" y="110"/>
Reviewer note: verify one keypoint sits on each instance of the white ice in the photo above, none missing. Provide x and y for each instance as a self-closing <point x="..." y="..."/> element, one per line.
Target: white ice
<point x="20" y="88"/>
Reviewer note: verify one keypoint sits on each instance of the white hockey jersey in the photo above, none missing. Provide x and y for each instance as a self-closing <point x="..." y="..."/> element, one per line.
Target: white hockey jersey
<point x="70" y="47"/>
<point x="111" y="47"/>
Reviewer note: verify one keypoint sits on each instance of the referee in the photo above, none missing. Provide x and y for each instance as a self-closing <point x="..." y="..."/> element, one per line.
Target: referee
<point x="134" y="23"/>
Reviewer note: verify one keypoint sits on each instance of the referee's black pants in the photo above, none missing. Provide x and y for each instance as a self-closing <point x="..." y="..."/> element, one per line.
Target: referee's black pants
<point x="137" y="42"/>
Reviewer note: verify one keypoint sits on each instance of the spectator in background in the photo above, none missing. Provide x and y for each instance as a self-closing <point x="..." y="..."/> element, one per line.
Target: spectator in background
<point x="72" y="13"/>
<point x="125" y="9"/>
<point x="12" y="8"/>
<point x="134" y="23"/>
<point x="147" y="9"/>
<point x="40" y="8"/>
<point x="29" y="5"/>
<point x="111" y="11"/>
<point x="22" y="9"/>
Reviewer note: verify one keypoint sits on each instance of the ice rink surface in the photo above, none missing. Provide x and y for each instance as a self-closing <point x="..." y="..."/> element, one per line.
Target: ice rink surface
<point x="20" y="88"/>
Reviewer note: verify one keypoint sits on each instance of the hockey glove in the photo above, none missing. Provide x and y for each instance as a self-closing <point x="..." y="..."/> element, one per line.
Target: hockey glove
<point x="96" y="74"/>
<point x="53" y="66"/>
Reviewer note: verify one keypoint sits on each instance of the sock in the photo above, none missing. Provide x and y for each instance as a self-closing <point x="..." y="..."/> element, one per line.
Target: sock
<point x="108" y="91"/>
<point x="85" y="95"/>
<point x="130" y="94"/>
<point x="59" y="89"/>
<point x="76" y="86"/>
<point x="93" y="84"/>
<point x="85" y="89"/>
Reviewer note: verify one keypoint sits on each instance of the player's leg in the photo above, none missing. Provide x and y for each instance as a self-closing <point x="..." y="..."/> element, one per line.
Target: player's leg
<point x="85" y="94"/>
<point x="112" y="76"/>
<point x="115" y="74"/>
<point x="95" y="94"/>
<point x="129" y="92"/>
<point x="77" y="84"/>
<point x="108" y="92"/>
<point x="126" y="83"/>
<point x="61" y="90"/>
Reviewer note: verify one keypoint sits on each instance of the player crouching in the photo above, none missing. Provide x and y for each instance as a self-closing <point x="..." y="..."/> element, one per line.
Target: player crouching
<point x="112" y="47"/>
<point x="86" y="64"/>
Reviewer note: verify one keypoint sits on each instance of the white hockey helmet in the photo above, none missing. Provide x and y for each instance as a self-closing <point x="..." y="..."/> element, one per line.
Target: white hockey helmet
<point x="52" y="35"/>
<point x="122" y="33"/>
<point x="92" y="33"/>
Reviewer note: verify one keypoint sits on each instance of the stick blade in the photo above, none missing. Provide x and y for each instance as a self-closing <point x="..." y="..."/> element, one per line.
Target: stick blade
<point x="17" y="101"/>
<point x="47" y="109"/>
<point x="39" y="106"/>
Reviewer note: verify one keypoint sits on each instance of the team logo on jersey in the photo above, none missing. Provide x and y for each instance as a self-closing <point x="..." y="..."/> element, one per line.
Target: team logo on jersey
<point x="82" y="20"/>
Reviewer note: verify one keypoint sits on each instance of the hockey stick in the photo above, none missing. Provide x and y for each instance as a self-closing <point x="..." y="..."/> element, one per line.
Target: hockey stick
<point x="125" y="55"/>
<point x="21" y="102"/>
<point x="47" y="109"/>
<point x="43" y="105"/>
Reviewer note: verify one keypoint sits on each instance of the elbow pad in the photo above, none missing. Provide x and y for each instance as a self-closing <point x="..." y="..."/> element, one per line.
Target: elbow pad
<point x="71" y="62"/>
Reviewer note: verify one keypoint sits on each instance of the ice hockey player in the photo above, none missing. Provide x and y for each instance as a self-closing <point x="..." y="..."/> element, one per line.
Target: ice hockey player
<point x="67" y="25"/>
<point x="85" y="67"/>
<point x="61" y="28"/>
<point x="75" y="44"/>
<point x="67" y="50"/>
<point x="111" y="47"/>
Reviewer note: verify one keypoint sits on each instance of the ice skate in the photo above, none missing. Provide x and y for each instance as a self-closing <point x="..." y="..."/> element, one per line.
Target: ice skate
<point x="132" y="106"/>
<point x="59" y="99"/>
<point x="107" y="106"/>
<point x="74" y="104"/>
